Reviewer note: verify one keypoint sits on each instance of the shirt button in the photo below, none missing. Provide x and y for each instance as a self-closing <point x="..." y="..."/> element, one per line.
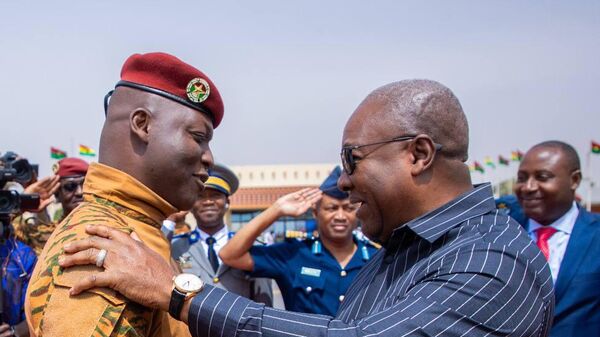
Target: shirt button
<point x="343" y="273"/>
<point x="341" y="298"/>
<point x="308" y="289"/>
<point x="216" y="280"/>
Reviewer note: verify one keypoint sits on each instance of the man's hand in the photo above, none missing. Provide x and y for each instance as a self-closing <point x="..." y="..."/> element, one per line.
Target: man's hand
<point x="297" y="203"/>
<point x="6" y="330"/>
<point x="130" y="267"/>
<point x="46" y="188"/>
<point x="178" y="217"/>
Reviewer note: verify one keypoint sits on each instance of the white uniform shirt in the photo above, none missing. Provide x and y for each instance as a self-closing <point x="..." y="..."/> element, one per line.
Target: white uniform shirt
<point x="557" y="244"/>
<point x="222" y="236"/>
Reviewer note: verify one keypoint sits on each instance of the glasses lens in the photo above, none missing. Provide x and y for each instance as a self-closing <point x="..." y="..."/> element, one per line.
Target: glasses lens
<point x="71" y="186"/>
<point x="347" y="161"/>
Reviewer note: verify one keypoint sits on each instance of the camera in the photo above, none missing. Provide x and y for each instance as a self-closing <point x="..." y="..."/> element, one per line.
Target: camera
<point x="20" y="171"/>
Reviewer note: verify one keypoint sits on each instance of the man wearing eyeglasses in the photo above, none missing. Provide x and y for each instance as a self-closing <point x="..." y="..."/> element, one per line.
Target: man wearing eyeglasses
<point x="451" y="263"/>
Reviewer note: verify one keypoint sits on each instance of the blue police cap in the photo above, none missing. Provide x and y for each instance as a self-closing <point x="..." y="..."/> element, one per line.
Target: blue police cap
<point x="510" y="205"/>
<point x="329" y="186"/>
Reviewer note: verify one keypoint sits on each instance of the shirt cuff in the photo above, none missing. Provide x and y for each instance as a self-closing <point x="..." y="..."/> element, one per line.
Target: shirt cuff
<point x="168" y="224"/>
<point x="216" y="312"/>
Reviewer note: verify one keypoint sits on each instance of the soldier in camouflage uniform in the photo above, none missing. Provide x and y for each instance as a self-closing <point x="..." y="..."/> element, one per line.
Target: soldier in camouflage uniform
<point x="34" y="229"/>
<point x="154" y="142"/>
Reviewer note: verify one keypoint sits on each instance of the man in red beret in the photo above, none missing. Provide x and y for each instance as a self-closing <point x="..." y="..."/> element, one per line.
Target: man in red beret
<point x="34" y="229"/>
<point x="155" y="140"/>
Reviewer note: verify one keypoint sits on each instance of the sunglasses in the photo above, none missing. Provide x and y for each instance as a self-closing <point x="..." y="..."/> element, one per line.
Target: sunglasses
<point x="349" y="160"/>
<point x="71" y="186"/>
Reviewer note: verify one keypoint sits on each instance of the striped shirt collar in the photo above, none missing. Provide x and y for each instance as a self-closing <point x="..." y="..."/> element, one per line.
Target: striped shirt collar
<point x="432" y="225"/>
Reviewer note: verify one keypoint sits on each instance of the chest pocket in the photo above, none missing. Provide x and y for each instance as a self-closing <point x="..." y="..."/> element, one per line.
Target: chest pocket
<point x="308" y="283"/>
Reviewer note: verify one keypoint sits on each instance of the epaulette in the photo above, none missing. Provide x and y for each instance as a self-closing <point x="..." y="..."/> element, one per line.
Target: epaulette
<point x="301" y="235"/>
<point x="192" y="236"/>
<point x="362" y="238"/>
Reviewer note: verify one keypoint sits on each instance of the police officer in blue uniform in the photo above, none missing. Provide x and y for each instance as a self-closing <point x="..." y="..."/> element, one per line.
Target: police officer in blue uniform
<point x="313" y="272"/>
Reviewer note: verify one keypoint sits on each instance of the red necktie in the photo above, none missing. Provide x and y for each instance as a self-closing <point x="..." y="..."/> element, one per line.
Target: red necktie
<point x="543" y="235"/>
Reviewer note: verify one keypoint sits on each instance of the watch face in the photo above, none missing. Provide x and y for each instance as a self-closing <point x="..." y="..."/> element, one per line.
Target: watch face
<point x="188" y="283"/>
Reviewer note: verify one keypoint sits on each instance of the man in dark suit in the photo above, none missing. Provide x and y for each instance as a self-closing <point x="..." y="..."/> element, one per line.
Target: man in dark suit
<point x="568" y="235"/>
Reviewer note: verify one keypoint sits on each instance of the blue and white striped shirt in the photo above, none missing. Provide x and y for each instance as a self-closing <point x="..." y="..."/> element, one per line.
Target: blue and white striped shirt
<point x="463" y="269"/>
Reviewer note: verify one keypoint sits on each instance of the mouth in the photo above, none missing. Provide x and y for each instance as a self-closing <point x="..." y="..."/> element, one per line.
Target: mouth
<point x="339" y="227"/>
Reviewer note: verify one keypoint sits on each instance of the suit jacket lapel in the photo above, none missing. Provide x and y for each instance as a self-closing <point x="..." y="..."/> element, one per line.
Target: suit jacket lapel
<point x="577" y="248"/>
<point x="198" y="254"/>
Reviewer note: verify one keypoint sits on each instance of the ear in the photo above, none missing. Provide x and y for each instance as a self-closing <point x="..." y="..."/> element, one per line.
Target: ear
<point x="140" y="123"/>
<point x="227" y="203"/>
<point x="423" y="152"/>
<point x="575" y="179"/>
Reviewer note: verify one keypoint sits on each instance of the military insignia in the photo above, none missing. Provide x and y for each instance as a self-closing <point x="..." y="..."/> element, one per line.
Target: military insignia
<point x="55" y="167"/>
<point x="184" y="262"/>
<point x="198" y="90"/>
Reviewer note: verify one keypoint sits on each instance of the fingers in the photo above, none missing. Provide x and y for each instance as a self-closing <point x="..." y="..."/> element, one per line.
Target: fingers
<point x="89" y="282"/>
<point x="84" y="257"/>
<point x="109" y="233"/>
<point x="91" y="242"/>
<point x="135" y="237"/>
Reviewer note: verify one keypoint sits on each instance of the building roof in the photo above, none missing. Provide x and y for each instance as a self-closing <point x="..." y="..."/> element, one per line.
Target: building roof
<point x="259" y="198"/>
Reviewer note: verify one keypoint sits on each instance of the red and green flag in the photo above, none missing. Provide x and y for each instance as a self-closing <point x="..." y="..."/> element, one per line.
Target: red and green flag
<point x="86" y="151"/>
<point x="56" y="153"/>
<point x="489" y="162"/>
<point x="477" y="167"/>
<point x="595" y="147"/>
<point x="502" y="160"/>
<point x="516" y="155"/>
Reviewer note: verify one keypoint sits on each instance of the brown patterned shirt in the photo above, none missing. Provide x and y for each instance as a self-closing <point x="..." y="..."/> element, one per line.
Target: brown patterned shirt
<point x="111" y="198"/>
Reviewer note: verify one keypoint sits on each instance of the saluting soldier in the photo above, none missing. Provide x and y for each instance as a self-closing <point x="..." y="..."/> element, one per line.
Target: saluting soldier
<point x="34" y="229"/>
<point x="197" y="251"/>
<point x="313" y="273"/>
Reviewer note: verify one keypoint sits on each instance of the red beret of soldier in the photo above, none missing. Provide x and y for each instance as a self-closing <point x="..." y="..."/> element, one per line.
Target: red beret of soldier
<point x="167" y="76"/>
<point x="69" y="167"/>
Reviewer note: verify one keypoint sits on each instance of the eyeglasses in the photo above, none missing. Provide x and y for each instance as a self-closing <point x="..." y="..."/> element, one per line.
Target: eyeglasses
<point x="349" y="161"/>
<point x="71" y="185"/>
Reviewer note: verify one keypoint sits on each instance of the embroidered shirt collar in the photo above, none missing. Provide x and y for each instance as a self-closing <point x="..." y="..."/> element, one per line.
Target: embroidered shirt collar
<point x="433" y="225"/>
<point x="122" y="189"/>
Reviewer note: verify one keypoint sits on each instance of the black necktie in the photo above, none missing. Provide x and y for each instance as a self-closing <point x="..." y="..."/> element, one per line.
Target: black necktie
<point x="212" y="254"/>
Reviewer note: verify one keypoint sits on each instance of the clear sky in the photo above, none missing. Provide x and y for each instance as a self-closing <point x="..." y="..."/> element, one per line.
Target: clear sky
<point x="292" y="72"/>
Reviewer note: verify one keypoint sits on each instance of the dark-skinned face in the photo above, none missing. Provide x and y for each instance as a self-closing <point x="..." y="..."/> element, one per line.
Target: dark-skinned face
<point x="336" y="218"/>
<point x="70" y="193"/>
<point x="177" y="155"/>
<point x="379" y="182"/>
<point x="210" y="209"/>
<point x="546" y="184"/>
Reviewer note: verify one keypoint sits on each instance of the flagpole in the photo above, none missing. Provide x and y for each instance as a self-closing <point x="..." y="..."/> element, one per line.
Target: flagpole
<point x="591" y="182"/>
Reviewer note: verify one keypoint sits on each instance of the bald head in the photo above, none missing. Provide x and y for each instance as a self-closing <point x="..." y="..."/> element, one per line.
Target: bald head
<point x="571" y="158"/>
<point x="425" y="107"/>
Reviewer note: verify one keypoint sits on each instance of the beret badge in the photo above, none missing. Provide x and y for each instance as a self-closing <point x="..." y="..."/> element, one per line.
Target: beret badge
<point x="198" y="90"/>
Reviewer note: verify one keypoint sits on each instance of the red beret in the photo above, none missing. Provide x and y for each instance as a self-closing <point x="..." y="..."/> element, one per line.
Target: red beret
<point x="69" y="167"/>
<point x="168" y="76"/>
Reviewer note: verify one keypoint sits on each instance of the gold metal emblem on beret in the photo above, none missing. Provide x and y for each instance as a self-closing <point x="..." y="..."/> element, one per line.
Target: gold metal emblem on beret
<point x="55" y="168"/>
<point x="198" y="90"/>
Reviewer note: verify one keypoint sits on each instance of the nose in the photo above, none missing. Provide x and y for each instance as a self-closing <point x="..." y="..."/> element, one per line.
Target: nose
<point x="344" y="183"/>
<point x="79" y="190"/>
<point x="340" y="214"/>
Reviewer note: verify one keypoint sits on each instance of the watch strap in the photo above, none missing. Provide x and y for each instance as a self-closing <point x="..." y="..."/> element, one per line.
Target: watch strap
<point x="176" y="304"/>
